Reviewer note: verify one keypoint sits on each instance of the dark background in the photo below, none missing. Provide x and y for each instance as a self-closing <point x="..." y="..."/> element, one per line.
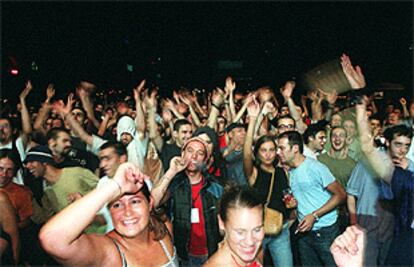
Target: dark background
<point x="180" y="44"/>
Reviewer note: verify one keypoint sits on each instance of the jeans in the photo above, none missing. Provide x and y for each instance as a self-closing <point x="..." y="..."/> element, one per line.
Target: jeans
<point x="314" y="246"/>
<point x="279" y="247"/>
<point x="376" y="251"/>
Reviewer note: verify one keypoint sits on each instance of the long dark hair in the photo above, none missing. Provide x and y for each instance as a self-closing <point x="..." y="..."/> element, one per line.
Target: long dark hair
<point x="263" y="139"/>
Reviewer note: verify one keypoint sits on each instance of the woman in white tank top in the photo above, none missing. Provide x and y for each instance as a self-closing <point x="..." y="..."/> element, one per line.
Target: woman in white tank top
<point x="139" y="238"/>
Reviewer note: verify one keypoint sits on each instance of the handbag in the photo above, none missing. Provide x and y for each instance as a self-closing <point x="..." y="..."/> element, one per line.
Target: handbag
<point x="273" y="219"/>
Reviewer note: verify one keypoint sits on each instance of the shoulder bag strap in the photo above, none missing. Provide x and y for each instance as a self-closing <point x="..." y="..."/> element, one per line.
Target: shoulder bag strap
<point x="270" y="188"/>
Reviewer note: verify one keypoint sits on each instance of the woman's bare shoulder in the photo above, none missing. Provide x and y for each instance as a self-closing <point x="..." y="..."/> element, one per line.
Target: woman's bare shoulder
<point x="218" y="259"/>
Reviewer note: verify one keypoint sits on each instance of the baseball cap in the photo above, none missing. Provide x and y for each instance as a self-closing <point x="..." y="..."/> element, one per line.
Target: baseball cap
<point x="39" y="153"/>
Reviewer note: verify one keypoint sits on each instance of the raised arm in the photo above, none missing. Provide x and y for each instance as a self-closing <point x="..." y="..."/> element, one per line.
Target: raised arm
<point x="63" y="236"/>
<point x="229" y="88"/>
<point x="169" y="104"/>
<point x="331" y="98"/>
<point x="287" y="91"/>
<point x="403" y="103"/>
<point x="243" y="109"/>
<point x="83" y="92"/>
<point x="217" y="99"/>
<point x="44" y="110"/>
<point x="26" y="124"/>
<point x="141" y="124"/>
<point x="65" y="112"/>
<point x="253" y="111"/>
<point x="150" y="102"/>
<point x="380" y="162"/>
<point x="194" y="115"/>
<point x="159" y="192"/>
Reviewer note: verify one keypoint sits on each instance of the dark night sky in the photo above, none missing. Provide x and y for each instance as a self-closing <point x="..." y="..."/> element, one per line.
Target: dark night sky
<point x="274" y="40"/>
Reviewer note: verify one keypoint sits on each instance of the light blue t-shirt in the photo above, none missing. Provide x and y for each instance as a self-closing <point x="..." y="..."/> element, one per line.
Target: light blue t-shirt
<point x="363" y="185"/>
<point x="308" y="183"/>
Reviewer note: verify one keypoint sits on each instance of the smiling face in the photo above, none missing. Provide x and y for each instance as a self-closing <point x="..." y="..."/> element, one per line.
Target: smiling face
<point x="244" y="232"/>
<point x="36" y="168"/>
<point x="131" y="214"/>
<point x="338" y="139"/>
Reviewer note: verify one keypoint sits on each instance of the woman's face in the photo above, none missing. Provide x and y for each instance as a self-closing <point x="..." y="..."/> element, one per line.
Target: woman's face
<point x="267" y="153"/>
<point x="131" y="214"/>
<point x="244" y="232"/>
<point x="208" y="141"/>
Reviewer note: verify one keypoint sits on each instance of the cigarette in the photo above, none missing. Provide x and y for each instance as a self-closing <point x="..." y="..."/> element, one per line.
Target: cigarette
<point x="297" y="231"/>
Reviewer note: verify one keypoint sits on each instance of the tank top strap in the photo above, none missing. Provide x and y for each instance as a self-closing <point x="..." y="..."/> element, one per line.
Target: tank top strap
<point x="164" y="247"/>
<point x="124" y="262"/>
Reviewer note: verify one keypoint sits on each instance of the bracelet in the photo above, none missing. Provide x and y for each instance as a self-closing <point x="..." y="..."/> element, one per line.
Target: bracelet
<point x="119" y="186"/>
<point x="214" y="105"/>
<point x="315" y="216"/>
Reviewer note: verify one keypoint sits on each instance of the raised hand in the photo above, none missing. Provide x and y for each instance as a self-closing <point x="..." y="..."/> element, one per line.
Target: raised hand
<point x="178" y="164"/>
<point x="268" y="107"/>
<point x="63" y="109"/>
<point x="129" y="178"/>
<point x="403" y="101"/>
<point x="151" y="100"/>
<point x="348" y="248"/>
<point x="26" y="90"/>
<point x="176" y="96"/>
<point x="169" y="104"/>
<point x="217" y="97"/>
<point x="185" y="100"/>
<point x="138" y="90"/>
<point x="50" y="92"/>
<point x="230" y="86"/>
<point x="354" y="75"/>
<point x="287" y="89"/>
<point x="253" y="109"/>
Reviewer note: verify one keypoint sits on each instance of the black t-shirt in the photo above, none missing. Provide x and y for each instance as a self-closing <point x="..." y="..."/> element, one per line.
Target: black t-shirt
<point x="280" y="183"/>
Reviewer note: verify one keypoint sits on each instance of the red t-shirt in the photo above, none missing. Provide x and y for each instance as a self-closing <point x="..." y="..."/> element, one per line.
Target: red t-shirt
<point x="222" y="141"/>
<point x="198" y="238"/>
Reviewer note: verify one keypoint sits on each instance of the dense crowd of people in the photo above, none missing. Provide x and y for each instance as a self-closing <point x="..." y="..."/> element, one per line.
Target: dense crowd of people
<point x="233" y="179"/>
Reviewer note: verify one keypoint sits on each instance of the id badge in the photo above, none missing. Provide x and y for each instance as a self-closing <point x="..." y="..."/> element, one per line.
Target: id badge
<point x="195" y="217"/>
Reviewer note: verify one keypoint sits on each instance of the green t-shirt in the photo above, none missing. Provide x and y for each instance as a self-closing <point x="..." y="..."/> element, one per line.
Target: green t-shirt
<point x="340" y="168"/>
<point x="55" y="198"/>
